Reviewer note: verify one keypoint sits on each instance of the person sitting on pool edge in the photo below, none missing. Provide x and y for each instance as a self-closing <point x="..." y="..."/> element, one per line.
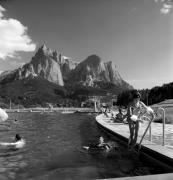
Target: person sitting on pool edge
<point x="18" y="144"/>
<point x="119" y="116"/>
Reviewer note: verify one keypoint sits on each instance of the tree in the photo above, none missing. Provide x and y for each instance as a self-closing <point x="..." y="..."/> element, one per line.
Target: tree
<point x="125" y="97"/>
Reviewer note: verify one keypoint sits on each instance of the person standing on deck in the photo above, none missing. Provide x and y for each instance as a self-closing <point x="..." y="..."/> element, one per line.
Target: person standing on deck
<point x="135" y="110"/>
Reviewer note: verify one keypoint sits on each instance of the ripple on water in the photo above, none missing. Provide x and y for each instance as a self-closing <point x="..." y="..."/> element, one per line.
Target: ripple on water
<point x="51" y="152"/>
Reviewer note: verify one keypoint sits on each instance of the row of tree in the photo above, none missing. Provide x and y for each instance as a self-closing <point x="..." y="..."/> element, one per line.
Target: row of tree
<point x="148" y="96"/>
<point x="157" y="94"/>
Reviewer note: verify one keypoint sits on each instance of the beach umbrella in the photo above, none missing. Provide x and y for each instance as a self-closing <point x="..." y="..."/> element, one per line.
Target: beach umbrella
<point x="3" y="115"/>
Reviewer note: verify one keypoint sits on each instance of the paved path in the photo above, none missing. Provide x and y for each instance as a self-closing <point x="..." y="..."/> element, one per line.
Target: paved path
<point x="168" y="176"/>
<point x="156" y="144"/>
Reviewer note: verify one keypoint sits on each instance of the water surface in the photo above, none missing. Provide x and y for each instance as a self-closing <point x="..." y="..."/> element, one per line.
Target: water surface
<point x="53" y="149"/>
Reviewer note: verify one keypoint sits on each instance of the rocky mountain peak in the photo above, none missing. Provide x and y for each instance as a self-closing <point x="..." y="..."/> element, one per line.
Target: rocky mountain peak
<point x="55" y="55"/>
<point x="57" y="68"/>
<point x="66" y="65"/>
<point x="93" y="70"/>
<point x="44" y="51"/>
<point x="44" y="47"/>
<point x="92" y="61"/>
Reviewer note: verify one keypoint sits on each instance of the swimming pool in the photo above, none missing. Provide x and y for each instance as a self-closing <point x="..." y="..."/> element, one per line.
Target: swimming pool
<point x="53" y="149"/>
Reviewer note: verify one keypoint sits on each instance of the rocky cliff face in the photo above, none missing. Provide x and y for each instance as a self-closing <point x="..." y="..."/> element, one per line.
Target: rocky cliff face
<point x="93" y="70"/>
<point x="44" y="64"/>
<point x="66" y="65"/>
<point x="58" y="69"/>
<point x="48" y="65"/>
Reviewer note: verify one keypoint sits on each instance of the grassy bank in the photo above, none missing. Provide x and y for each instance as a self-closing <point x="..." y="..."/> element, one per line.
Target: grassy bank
<point x="168" y="115"/>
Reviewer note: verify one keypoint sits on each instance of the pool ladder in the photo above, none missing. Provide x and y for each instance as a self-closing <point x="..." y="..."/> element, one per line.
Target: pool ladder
<point x="150" y="130"/>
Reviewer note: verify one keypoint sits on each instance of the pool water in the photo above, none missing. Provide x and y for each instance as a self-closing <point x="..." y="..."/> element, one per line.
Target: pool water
<point x="54" y="149"/>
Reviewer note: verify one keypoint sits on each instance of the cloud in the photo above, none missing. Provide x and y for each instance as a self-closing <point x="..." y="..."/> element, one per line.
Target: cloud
<point x="1" y="10"/>
<point x="166" y="8"/>
<point x="167" y="5"/>
<point x="16" y="63"/>
<point x="13" y="37"/>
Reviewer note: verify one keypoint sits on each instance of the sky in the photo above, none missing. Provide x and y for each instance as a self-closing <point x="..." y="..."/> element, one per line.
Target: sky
<point x="137" y="35"/>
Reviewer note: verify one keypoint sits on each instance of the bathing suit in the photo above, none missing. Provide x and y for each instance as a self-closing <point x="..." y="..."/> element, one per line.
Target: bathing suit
<point x="138" y="111"/>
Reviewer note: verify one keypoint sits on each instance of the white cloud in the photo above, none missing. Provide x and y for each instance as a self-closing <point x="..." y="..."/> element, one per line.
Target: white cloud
<point x="166" y="8"/>
<point x="65" y="57"/>
<point x="13" y="37"/>
<point x="167" y="5"/>
<point x="15" y="63"/>
<point x="1" y="10"/>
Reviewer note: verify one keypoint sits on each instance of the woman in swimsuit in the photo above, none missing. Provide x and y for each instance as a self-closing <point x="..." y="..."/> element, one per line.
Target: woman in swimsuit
<point x="135" y="110"/>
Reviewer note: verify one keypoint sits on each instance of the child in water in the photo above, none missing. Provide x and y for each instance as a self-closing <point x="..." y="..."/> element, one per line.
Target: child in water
<point x="19" y="143"/>
<point x="102" y="147"/>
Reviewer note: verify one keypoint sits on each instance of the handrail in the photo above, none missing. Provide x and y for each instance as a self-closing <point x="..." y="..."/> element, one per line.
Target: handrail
<point x="163" y="135"/>
<point x="149" y="126"/>
<point x="150" y="130"/>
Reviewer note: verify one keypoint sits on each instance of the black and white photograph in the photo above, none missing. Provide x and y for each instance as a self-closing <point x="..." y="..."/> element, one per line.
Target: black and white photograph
<point x="86" y="90"/>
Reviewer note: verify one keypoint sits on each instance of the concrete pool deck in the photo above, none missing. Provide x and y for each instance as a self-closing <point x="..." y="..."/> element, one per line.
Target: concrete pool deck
<point x="164" y="153"/>
<point x="168" y="176"/>
<point x="41" y="109"/>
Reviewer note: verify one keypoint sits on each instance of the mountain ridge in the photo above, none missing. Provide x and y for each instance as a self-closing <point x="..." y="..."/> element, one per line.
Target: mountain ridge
<point x="60" y="69"/>
<point x="47" y="66"/>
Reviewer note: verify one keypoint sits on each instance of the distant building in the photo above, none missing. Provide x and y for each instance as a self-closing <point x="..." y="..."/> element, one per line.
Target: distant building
<point x="100" y="101"/>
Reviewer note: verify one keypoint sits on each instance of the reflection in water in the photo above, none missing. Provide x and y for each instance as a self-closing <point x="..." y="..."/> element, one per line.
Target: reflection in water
<point x="53" y="149"/>
<point x="9" y="164"/>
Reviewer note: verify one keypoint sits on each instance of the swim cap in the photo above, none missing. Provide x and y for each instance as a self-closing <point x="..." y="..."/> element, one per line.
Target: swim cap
<point x="18" y="137"/>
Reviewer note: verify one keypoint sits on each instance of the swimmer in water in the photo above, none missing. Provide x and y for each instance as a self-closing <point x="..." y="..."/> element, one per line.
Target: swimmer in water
<point x="105" y="147"/>
<point x="18" y="144"/>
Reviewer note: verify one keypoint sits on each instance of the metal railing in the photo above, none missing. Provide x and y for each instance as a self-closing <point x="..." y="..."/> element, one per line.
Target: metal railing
<point x="150" y="129"/>
<point x="163" y="122"/>
<point x="149" y="124"/>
